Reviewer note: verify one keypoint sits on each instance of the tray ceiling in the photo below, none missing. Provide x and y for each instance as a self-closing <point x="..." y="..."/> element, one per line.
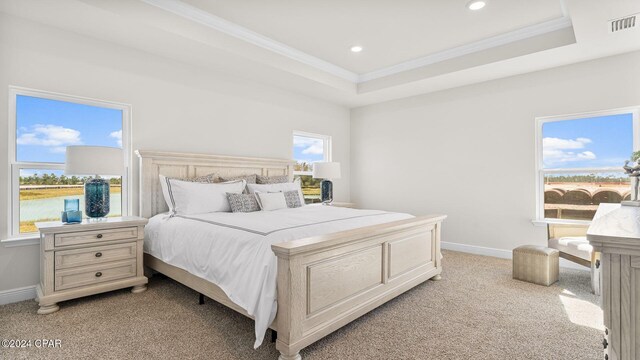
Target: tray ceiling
<point x="410" y="47"/>
<point x="390" y="32"/>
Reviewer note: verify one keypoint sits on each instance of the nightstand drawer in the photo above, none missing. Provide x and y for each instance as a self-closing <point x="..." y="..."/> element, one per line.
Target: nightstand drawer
<point x="94" y="274"/>
<point x="84" y="237"/>
<point x="94" y="255"/>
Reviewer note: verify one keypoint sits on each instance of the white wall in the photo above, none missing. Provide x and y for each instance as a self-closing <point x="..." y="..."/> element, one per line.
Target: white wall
<point x="176" y="107"/>
<point x="466" y="152"/>
<point x="469" y="152"/>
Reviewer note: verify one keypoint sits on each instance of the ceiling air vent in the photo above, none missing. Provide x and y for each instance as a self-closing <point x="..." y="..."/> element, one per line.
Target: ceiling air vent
<point x="625" y="23"/>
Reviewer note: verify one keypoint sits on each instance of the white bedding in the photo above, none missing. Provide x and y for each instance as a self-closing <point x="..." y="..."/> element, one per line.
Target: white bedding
<point x="233" y="250"/>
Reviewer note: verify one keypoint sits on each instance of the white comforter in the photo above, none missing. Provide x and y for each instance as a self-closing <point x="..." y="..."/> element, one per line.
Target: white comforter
<point x="233" y="250"/>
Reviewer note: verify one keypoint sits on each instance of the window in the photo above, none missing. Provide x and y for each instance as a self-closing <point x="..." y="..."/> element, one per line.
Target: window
<point x="42" y="125"/>
<point x="579" y="162"/>
<point x="307" y="149"/>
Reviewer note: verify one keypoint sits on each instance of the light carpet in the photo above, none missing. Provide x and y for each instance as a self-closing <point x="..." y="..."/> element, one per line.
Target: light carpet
<point x="475" y="312"/>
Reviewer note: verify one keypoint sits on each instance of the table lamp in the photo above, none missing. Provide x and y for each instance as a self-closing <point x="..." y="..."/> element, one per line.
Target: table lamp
<point x="326" y="171"/>
<point x="98" y="160"/>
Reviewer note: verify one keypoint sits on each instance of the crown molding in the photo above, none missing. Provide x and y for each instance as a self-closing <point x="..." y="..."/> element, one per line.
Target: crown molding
<point x="485" y="44"/>
<point x="194" y="14"/>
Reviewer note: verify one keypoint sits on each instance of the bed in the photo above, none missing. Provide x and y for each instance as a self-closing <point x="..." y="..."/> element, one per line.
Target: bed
<point x="331" y="265"/>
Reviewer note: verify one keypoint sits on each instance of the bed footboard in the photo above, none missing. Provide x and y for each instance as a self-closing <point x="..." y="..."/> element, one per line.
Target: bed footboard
<point x="327" y="281"/>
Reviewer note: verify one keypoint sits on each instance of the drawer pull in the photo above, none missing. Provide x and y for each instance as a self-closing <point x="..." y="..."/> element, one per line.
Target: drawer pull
<point x="597" y="264"/>
<point x="98" y="274"/>
<point x="98" y="254"/>
<point x="606" y="356"/>
<point x="606" y="331"/>
<point x="605" y="343"/>
<point x="99" y="236"/>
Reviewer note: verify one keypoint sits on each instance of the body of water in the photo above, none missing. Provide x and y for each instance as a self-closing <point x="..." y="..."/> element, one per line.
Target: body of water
<point x="38" y="209"/>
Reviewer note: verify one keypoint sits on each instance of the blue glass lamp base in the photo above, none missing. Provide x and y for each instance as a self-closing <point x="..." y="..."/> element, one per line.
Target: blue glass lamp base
<point x="326" y="191"/>
<point x="96" y="198"/>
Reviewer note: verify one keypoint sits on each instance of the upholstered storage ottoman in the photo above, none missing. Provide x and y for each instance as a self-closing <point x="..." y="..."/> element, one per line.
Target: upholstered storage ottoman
<point x="536" y="264"/>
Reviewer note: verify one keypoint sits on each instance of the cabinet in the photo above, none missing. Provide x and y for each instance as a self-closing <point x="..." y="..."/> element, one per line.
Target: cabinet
<point x="615" y="232"/>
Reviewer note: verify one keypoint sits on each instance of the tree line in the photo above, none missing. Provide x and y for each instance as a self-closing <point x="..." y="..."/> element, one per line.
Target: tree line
<point x="591" y="178"/>
<point x="306" y="181"/>
<point x="53" y="179"/>
<point x="309" y="181"/>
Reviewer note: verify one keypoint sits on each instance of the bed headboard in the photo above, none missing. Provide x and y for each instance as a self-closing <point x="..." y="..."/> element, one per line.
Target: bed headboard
<point x="185" y="165"/>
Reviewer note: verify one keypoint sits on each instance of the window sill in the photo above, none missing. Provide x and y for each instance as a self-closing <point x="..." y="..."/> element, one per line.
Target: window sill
<point x="21" y="241"/>
<point x="545" y="222"/>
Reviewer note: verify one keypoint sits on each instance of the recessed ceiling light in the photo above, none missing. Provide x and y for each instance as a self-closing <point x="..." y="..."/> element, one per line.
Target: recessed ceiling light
<point x="476" y="5"/>
<point x="356" y="48"/>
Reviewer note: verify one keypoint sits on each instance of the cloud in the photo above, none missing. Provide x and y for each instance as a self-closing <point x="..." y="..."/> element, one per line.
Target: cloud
<point x="315" y="149"/>
<point x="564" y="144"/>
<point x="310" y="145"/>
<point x="118" y="136"/>
<point x="53" y="136"/>
<point x="587" y="155"/>
<point x="556" y="150"/>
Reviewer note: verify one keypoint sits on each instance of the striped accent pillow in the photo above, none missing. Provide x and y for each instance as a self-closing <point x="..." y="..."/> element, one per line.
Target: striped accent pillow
<point x="187" y="197"/>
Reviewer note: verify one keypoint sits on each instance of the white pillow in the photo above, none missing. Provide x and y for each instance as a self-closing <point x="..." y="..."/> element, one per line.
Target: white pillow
<point x="187" y="198"/>
<point x="281" y="187"/>
<point x="271" y="201"/>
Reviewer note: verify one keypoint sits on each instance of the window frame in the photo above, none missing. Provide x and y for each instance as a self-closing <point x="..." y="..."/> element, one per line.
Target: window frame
<point x="326" y="151"/>
<point x="540" y="172"/>
<point x="15" y="166"/>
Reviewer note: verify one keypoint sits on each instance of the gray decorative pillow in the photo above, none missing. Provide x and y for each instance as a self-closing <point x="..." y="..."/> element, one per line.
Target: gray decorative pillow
<point x="208" y="179"/>
<point x="250" y="179"/>
<point x="292" y="198"/>
<point x="243" y="202"/>
<point x="272" y="179"/>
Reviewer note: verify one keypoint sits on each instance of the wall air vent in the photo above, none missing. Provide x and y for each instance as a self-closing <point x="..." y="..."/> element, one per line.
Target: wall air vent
<point x="625" y="23"/>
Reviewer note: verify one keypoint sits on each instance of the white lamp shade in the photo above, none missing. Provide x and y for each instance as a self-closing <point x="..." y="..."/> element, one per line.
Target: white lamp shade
<point x="326" y="170"/>
<point x="94" y="160"/>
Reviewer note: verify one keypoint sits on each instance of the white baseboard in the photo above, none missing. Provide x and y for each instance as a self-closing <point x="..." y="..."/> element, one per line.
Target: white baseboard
<point x="19" y="294"/>
<point x="478" y="250"/>
<point x="500" y="253"/>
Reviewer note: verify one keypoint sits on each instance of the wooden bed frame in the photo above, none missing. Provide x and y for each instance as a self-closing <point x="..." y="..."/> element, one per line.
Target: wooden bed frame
<point x="323" y="282"/>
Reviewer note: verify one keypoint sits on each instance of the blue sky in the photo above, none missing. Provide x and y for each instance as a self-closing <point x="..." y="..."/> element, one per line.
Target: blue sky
<point x="604" y="141"/>
<point x="45" y="127"/>
<point x="306" y="149"/>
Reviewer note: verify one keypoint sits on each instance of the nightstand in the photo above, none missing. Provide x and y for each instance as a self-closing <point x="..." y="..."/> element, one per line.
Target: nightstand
<point x="92" y="257"/>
